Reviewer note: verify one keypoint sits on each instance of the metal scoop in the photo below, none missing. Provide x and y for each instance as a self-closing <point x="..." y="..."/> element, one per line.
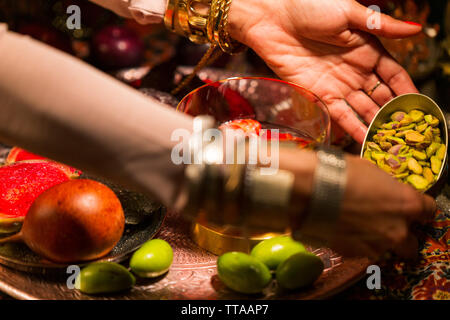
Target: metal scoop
<point x="406" y="103"/>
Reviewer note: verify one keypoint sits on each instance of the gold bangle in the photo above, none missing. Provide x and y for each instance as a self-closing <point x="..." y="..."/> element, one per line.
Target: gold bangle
<point x="217" y="27"/>
<point x="183" y="18"/>
<point x="169" y="16"/>
<point x="198" y="21"/>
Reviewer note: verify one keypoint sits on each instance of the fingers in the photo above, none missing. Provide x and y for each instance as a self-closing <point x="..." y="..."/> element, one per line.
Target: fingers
<point x="382" y="94"/>
<point x="429" y="208"/>
<point x="344" y="116"/>
<point x="394" y="75"/>
<point x="409" y="248"/>
<point x="417" y="207"/>
<point x="354" y="244"/>
<point x="365" y="19"/>
<point x="363" y="105"/>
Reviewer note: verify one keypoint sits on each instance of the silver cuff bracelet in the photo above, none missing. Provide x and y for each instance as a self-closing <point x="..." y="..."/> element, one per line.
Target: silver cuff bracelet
<point x="328" y="191"/>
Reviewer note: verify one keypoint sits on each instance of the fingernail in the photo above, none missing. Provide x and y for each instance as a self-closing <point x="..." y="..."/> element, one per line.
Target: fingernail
<point x="413" y="23"/>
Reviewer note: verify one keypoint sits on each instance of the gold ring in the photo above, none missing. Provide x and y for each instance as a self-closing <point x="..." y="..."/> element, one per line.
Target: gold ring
<point x="370" y="92"/>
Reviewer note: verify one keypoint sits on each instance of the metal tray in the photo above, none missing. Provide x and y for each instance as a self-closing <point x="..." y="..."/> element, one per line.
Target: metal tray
<point x="192" y="276"/>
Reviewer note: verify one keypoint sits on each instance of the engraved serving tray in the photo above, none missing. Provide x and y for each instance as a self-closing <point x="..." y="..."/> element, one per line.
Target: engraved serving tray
<point x="24" y="275"/>
<point x="192" y="276"/>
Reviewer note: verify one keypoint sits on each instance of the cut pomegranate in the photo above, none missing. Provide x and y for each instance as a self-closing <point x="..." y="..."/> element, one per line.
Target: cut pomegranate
<point x="249" y="126"/>
<point x="22" y="182"/>
<point x="18" y="154"/>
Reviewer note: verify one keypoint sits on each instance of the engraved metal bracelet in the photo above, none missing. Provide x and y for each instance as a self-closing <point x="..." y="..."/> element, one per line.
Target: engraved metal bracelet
<point x="330" y="180"/>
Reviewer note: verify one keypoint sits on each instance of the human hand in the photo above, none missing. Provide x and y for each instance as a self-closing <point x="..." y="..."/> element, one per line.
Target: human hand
<point x="377" y="212"/>
<point x="326" y="46"/>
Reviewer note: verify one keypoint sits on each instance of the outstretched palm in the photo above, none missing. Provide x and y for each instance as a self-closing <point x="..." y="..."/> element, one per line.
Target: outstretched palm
<point x="324" y="46"/>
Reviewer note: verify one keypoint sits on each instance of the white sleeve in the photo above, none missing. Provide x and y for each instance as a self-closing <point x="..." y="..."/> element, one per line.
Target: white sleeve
<point x="143" y="11"/>
<point x="60" y="107"/>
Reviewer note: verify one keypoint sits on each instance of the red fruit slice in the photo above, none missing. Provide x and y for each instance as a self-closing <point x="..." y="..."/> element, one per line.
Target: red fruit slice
<point x="21" y="183"/>
<point x="249" y="126"/>
<point x="18" y="154"/>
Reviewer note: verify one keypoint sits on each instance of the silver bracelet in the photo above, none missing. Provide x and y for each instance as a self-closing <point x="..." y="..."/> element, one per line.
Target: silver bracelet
<point x="330" y="180"/>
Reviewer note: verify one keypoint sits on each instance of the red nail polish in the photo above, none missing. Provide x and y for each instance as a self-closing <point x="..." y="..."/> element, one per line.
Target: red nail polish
<point x="413" y="23"/>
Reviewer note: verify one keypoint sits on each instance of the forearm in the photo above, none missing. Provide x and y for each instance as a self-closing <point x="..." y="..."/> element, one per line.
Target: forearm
<point x="59" y="107"/>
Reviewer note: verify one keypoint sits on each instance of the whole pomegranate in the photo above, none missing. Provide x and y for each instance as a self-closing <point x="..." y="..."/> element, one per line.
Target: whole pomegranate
<point x="77" y="220"/>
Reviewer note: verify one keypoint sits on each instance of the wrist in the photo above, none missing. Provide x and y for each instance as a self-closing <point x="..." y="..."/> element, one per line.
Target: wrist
<point x="303" y="164"/>
<point x="243" y="16"/>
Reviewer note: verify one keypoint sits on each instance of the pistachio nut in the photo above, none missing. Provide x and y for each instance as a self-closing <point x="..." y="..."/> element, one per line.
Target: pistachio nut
<point x="419" y="155"/>
<point x="373" y="146"/>
<point x="406" y="121"/>
<point x="398" y="116"/>
<point x="392" y="161"/>
<point x="416" y="115"/>
<point x="421" y="128"/>
<point x="386" y="132"/>
<point x="395" y="140"/>
<point x="431" y="120"/>
<point x="391" y="125"/>
<point x="418" y="182"/>
<point x="414" y="166"/>
<point x="401" y="175"/>
<point x="431" y="150"/>
<point x="440" y="153"/>
<point x="428" y="175"/>
<point x="385" y="145"/>
<point x="428" y="134"/>
<point x="410" y="127"/>
<point x="414" y="137"/>
<point x="435" y="164"/>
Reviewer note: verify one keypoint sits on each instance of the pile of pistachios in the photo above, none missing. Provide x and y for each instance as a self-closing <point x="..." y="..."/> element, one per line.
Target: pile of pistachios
<point x="409" y="147"/>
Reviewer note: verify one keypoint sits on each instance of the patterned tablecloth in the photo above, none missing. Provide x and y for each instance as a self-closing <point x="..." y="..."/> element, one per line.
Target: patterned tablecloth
<point x="426" y="279"/>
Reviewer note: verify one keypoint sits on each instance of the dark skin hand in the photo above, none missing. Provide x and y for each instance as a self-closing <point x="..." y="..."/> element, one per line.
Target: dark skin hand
<point x="326" y="46"/>
<point x="377" y="211"/>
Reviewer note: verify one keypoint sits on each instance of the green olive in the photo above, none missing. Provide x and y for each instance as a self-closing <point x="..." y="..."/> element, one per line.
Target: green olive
<point x="104" y="277"/>
<point x="242" y="272"/>
<point x="273" y="251"/>
<point x="299" y="270"/>
<point x="153" y="259"/>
